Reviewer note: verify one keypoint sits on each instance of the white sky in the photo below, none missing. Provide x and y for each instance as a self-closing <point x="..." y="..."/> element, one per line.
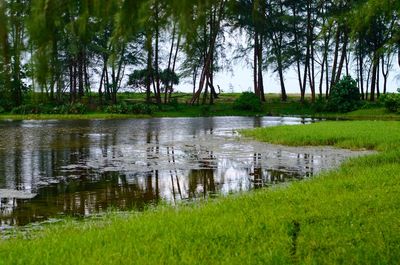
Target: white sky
<point x="241" y="79"/>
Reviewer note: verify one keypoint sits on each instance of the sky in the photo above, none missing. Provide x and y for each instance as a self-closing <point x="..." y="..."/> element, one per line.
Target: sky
<point x="240" y="76"/>
<point x="240" y="79"/>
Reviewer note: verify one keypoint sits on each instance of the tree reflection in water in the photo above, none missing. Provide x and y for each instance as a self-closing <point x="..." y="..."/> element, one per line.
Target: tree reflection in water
<point x="79" y="168"/>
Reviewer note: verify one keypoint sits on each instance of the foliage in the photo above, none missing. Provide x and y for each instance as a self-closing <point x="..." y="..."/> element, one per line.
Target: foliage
<point x="319" y="105"/>
<point x="64" y="47"/>
<point x="168" y="77"/>
<point x="26" y="109"/>
<point x="124" y="108"/>
<point x="345" y="96"/>
<point x="205" y="110"/>
<point x="248" y="101"/>
<point x="77" y="108"/>
<point x="391" y="101"/>
<point x="139" y="78"/>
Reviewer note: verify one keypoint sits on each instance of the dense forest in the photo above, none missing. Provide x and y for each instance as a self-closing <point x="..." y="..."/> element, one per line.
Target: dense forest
<point x="76" y="51"/>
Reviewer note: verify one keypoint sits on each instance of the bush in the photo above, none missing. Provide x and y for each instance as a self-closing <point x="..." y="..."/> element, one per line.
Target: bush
<point x="248" y="101"/>
<point x="319" y="105"/>
<point x="123" y="108"/>
<point x="174" y="103"/>
<point x="116" y="109"/>
<point x="5" y="103"/>
<point x="205" y="110"/>
<point x="26" y="109"/>
<point x="391" y="102"/>
<point x="2" y="110"/>
<point x="141" y="108"/>
<point x="345" y="96"/>
<point x="77" y="108"/>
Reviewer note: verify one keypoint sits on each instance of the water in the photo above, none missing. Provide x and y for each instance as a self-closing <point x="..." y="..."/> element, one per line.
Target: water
<point x="51" y="169"/>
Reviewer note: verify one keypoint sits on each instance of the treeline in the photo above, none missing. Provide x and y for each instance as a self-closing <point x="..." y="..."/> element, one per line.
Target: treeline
<point x="67" y="49"/>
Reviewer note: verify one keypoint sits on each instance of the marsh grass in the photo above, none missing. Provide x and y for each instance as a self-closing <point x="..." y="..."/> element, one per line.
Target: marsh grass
<point x="347" y="216"/>
<point x="371" y="135"/>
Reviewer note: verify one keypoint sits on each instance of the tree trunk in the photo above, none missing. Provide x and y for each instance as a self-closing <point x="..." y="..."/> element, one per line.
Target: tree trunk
<point x="157" y="68"/>
<point x="171" y="89"/>
<point x="385" y="74"/>
<point x="260" y="70"/>
<point x="312" y="70"/>
<point x="80" y="74"/>
<point x="296" y="41"/>
<point x="169" y="63"/>
<point x="71" y="81"/>
<point x="378" y="91"/>
<point x="342" y="59"/>
<point x="101" y="84"/>
<point x="255" y="66"/>
<point x="149" y="67"/>
<point x="374" y="77"/>
<point x="361" y="67"/>
<point x="335" y="60"/>
<point x="207" y="62"/>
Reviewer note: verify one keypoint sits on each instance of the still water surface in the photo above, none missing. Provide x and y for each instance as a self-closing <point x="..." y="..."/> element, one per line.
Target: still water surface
<point x="50" y="169"/>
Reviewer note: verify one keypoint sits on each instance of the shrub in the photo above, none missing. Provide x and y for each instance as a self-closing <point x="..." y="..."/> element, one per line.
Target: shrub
<point x="117" y="109"/>
<point x="61" y="109"/>
<point x="174" y="103"/>
<point x="141" y="108"/>
<point x="319" y="105"/>
<point x="345" y="96"/>
<point x="205" y="110"/>
<point x="123" y="108"/>
<point x="391" y="102"/>
<point x="5" y="103"/>
<point x="76" y="108"/>
<point x="26" y="109"/>
<point x="248" y="101"/>
<point x="2" y="110"/>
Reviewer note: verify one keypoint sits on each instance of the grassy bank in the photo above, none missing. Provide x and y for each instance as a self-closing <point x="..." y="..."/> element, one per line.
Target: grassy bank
<point x="222" y="107"/>
<point x="348" y="216"/>
<point x="373" y="135"/>
<point x="89" y="116"/>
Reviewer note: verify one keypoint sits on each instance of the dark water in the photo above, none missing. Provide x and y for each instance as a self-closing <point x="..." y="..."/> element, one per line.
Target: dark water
<point x="50" y="169"/>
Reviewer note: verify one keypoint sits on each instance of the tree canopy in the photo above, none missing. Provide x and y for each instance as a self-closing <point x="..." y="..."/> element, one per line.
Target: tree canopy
<point x="65" y="50"/>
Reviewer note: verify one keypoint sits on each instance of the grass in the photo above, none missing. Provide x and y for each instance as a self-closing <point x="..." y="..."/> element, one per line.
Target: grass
<point x="373" y="135"/>
<point x="377" y="113"/>
<point x="347" y="216"/>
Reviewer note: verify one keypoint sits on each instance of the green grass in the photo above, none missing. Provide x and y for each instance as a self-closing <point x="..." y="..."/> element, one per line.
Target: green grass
<point x="378" y="135"/>
<point x="378" y="113"/>
<point x="347" y="216"/>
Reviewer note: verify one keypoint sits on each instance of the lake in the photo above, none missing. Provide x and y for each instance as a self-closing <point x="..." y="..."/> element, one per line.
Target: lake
<point x="53" y="169"/>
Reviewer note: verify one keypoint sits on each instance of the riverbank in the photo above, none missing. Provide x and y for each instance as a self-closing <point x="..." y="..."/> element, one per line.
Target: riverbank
<point x="349" y="215"/>
<point x="222" y="107"/>
<point x="218" y="110"/>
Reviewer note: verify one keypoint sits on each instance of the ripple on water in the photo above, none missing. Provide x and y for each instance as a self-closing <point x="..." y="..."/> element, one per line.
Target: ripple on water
<point x="81" y="168"/>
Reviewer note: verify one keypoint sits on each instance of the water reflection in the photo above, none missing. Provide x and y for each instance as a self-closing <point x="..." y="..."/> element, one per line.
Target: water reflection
<point x="78" y="168"/>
